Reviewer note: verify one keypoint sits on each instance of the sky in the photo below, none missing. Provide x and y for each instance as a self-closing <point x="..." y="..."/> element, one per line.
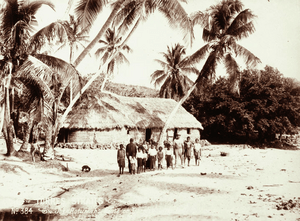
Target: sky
<point x="276" y="40"/>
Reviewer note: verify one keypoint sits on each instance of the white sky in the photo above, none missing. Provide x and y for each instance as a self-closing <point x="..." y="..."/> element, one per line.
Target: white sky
<point x="276" y="40"/>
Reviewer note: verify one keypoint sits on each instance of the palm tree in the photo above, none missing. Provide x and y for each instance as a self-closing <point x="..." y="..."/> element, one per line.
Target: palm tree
<point x="223" y="25"/>
<point x="75" y="34"/>
<point x="87" y="11"/>
<point x="17" y="25"/>
<point x="17" y="21"/>
<point x="112" y="46"/>
<point x="173" y="78"/>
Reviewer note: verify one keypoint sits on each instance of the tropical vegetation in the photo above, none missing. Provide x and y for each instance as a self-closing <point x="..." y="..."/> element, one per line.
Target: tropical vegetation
<point x="223" y="25"/>
<point x="268" y="104"/>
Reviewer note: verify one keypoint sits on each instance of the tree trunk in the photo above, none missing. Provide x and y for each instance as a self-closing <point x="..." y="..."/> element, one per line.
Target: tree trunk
<point x="24" y="147"/>
<point x="104" y="82"/>
<point x="2" y="111"/>
<point x="167" y="123"/>
<point x="8" y="124"/>
<point x="98" y="37"/>
<point x="48" y="153"/>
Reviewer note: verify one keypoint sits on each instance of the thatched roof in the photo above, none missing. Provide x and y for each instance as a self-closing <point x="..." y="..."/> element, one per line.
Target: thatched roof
<point x="106" y="111"/>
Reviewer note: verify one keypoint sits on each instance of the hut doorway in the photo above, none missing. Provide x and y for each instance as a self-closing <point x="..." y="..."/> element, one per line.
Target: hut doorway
<point x="63" y="135"/>
<point x="148" y="134"/>
<point x="175" y="133"/>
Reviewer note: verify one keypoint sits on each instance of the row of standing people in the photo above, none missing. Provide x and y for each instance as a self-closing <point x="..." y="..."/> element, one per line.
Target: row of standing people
<point x="146" y="155"/>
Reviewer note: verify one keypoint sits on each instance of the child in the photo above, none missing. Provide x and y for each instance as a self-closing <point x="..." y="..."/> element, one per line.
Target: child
<point x="188" y="150"/>
<point x="145" y="157"/>
<point x="152" y="156"/>
<point x="133" y="164"/>
<point x="121" y="158"/>
<point x="168" y="156"/>
<point x="139" y="157"/>
<point x="197" y="152"/>
<point x="160" y="157"/>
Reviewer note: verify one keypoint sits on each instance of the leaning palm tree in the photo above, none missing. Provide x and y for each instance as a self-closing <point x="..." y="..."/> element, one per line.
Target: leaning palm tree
<point x="87" y="11"/>
<point x="223" y="25"/>
<point x="111" y="47"/>
<point x="173" y="78"/>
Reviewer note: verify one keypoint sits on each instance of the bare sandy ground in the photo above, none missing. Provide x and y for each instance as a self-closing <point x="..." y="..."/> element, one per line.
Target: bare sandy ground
<point x="247" y="184"/>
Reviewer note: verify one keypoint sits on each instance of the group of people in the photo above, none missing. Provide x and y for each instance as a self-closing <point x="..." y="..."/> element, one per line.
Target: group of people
<point x="144" y="156"/>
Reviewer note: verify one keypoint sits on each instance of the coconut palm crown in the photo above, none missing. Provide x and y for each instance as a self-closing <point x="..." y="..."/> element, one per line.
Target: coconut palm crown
<point x="173" y="78"/>
<point x="110" y="45"/>
<point x="223" y="25"/>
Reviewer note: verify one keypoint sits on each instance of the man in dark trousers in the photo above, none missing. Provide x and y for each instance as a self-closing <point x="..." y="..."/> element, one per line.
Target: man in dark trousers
<point x="130" y="151"/>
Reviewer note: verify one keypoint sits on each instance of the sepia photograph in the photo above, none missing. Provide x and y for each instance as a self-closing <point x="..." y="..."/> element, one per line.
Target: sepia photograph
<point x="149" y="110"/>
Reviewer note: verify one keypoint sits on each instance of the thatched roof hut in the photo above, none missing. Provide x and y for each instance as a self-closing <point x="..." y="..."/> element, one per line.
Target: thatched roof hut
<point x="114" y="111"/>
<point x="107" y="112"/>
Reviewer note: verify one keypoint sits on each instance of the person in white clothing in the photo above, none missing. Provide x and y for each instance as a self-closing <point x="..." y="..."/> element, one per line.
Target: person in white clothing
<point x="152" y="156"/>
<point x="197" y="152"/>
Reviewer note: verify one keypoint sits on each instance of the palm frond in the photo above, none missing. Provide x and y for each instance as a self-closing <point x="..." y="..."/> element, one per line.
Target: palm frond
<point x="64" y="72"/>
<point x="54" y="31"/>
<point x="36" y="76"/>
<point x="243" y="31"/>
<point x="176" y="15"/>
<point x="250" y="59"/>
<point x="197" y="56"/>
<point x="87" y="11"/>
<point x="232" y="69"/>
<point x="241" y="26"/>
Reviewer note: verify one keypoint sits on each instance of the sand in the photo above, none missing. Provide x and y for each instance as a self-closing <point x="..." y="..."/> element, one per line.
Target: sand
<point x="247" y="184"/>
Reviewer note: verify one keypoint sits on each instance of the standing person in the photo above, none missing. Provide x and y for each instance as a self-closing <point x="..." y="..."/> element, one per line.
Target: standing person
<point x="121" y="158"/>
<point x="145" y="157"/>
<point x="160" y="157"/>
<point x="188" y="150"/>
<point x="139" y="157"/>
<point x="152" y="156"/>
<point x="178" y="146"/>
<point x="130" y="151"/>
<point x="197" y="152"/>
<point x="168" y="155"/>
<point x="133" y="163"/>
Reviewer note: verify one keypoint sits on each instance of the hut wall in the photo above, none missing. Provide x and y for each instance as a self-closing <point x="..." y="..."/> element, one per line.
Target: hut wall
<point x="138" y="135"/>
<point x="100" y="137"/>
<point x="78" y="136"/>
<point x="193" y="133"/>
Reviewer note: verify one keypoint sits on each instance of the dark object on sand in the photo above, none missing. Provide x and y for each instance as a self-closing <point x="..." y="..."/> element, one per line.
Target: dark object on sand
<point x="224" y="154"/>
<point x="86" y="168"/>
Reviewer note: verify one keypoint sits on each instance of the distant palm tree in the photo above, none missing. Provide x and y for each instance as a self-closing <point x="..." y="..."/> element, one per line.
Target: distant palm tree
<point x="112" y="47"/>
<point x="223" y="25"/>
<point x="76" y="36"/>
<point x="173" y="78"/>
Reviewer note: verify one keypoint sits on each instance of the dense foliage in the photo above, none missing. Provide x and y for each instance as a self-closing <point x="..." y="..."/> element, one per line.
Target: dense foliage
<point x="268" y="104"/>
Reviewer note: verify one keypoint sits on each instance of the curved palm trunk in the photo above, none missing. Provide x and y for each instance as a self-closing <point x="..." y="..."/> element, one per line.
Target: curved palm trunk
<point x="101" y="32"/>
<point x="93" y="78"/>
<point x="163" y="133"/>
<point x="48" y="153"/>
<point x="24" y="147"/>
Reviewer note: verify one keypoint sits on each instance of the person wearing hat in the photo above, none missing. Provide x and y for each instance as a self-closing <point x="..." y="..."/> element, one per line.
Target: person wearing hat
<point x="178" y="146"/>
